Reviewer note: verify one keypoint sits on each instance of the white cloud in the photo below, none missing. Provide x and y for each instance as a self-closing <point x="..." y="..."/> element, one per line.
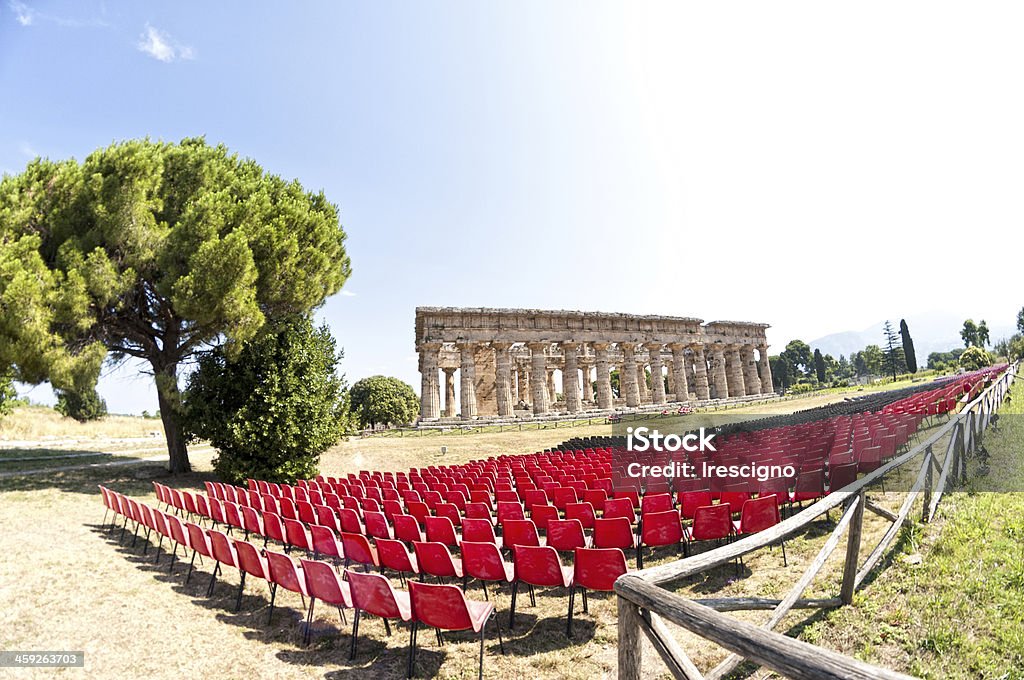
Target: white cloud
<point x="348" y="293"/>
<point x="162" y="47"/>
<point x="22" y="12"/>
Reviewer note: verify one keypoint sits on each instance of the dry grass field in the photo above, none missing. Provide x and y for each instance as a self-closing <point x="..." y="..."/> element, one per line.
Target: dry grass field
<point x="67" y="584"/>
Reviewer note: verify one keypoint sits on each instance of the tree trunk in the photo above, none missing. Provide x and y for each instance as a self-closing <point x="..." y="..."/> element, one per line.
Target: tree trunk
<point x="169" y="398"/>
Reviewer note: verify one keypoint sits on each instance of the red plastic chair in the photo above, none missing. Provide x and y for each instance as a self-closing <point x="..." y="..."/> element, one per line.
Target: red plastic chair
<point x="510" y="511"/>
<point x="537" y="566"/>
<point x="757" y="515"/>
<point x="659" y="528"/>
<point x="566" y="534"/>
<point x="357" y="549"/>
<point x="273" y="527"/>
<point x="594" y="569"/>
<point x="407" y="529"/>
<point x="445" y="607"/>
<point x="442" y="530"/>
<point x="199" y="541"/>
<point x="519" y="532"/>
<point x="252" y="523"/>
<point x="377" y="525"/>
<point x="223" y="553"/>
<point x="584" y="512"/>
<point x="325" y="542"/>
<point x="296" y="536"/>
<point x="249" y="562"/>
<point x="483" y="561"/>
<point x="616" y="532"/>
<point x="435" y="559"/>
<point x="395" y="556"/>
<point x="286" y="574"/>
<point x="542" y="515"/>
<point x="658" y="502"/>
<point x="619" y="507"/>
<point x="479" y="531"/>
<point x="710" y="522"/>
<point x="691" y="500"/>
<point x="373" y="594"/>
<point x="324" y="583"/>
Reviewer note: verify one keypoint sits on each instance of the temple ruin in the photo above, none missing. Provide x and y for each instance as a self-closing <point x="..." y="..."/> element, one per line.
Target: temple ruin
<point x="507" y="359"/>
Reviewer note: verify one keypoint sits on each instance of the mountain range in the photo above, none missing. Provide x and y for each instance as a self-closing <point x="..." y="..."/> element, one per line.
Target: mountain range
<point x="931" y="332"/>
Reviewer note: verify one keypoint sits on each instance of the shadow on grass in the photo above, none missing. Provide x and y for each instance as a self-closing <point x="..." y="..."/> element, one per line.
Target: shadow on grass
<point x="133" y="480"/>
<point x="330" y="637"/>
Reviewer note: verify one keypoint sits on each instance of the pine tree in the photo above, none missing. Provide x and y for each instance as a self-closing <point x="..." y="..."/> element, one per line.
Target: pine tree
<point x="908" y="347"/>
<point x="893" y="350"/>
<point x="819" y="365"/>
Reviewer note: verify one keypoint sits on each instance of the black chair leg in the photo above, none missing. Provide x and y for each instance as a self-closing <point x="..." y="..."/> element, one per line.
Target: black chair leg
<point x="355" y="636"/>
<point x="568" y="618"/>
<point x="309" y="620"/>
<point x="241" y="588"/>
<point x="190" y="565"/>
<point x="387" y="627"/>
<point x="512" y="608"/>
<point x="412" y="648"/>
<point x="273" y="594"/>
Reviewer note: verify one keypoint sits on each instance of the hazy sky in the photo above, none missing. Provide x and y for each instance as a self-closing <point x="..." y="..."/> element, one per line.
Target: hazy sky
<point x="811" y="165"/>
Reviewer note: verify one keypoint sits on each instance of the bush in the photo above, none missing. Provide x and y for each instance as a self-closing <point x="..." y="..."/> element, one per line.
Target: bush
<point x="272" y="410"/>
<point x="83" y="407"/>
<point x="974" y="358"/>
<point x="382" y="399"/>
<point x="802" y="388"/>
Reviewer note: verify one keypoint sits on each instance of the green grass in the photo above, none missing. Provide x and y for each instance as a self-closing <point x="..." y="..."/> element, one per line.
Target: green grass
<point x="959" y="611"/>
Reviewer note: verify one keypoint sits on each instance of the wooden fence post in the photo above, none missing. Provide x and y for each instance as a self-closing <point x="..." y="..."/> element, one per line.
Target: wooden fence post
<point x="629" y="640"/>
<point x="853" y="551"/>
<point x="927" y="484"/>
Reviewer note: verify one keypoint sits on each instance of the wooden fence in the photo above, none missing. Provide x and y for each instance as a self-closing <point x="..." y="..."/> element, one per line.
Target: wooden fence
<point x="643" y="606"/>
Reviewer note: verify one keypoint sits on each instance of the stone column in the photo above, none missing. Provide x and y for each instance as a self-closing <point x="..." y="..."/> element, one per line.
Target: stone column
<point x="515" y="385"/>
<point x="570" y="377"/>
<point x="657" y="379"/>
<point x="766" y="371"/>
<point x="718" y="372"/>
<point x="604" y="383"/>
<point x="430" y="390"/>
<point x="467" y="380"/>
<point x="538" y="383"/>
<point x="588" y="385"/>
<point x="680" y="383"/>
<point x="700" y="371"/>
<point x="641" y="382"/>
<point x="525" y="393"/>
<point x="628" y="381"/>
<point x="551" y="387"/>
<point x="751" y="382"/>
<point x="502" y="378"/>
<point x="449" y="392"/>
<point x="734" y="372"/>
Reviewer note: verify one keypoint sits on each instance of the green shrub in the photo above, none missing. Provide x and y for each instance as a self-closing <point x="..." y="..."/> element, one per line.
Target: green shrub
<point x="83" y="407"/>
<point x="381" y="399"/>
<point x="974" y="358"/>
<point x="272" y="410"/>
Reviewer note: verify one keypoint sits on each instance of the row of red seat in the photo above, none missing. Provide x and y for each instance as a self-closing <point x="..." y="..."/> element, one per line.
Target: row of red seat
<point x="593" y="569"/>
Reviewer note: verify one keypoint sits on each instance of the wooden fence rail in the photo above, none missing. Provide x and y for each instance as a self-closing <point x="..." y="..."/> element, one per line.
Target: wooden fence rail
<point x="643" y="604"/>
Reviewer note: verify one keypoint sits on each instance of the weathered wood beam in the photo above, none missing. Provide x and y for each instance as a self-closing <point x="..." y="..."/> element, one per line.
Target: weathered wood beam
<point x="738" y="604"/>
<point x="679" y="664"/>
<point x="792" y="658"/>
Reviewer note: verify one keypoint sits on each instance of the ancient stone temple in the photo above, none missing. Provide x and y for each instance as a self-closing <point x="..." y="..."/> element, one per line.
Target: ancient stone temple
<point x="506" y="361"/>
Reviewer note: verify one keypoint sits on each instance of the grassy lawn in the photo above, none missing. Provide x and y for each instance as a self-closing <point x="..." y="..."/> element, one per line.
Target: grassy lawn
<point x="954" y="605"/>
<point x="133" y="619"/>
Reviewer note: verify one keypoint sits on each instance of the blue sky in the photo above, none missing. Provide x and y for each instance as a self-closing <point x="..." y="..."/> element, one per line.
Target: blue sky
<point x="815" y="167"/>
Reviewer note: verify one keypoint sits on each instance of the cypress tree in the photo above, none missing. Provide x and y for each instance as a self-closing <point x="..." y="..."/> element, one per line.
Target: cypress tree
<point x="908" y="347"/>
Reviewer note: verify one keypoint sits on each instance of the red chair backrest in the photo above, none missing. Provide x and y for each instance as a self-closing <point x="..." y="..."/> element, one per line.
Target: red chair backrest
<point x="285" y="573"/>
<point x="618" y="507"/>
<point x="222" y="549"/>
<point x="358" y="549"/>
<point x="538" y="565"/>
<point x="323" y="583"/>
<point x="439" y="605"/>
<point x="394" y="555"/>
<point x="616" y="532"/>
<point x="597" y="568"/>
<point x="483" y="561"/>
<point x="659" y="502"/>
<point x="434" y="559"/>
<point x="759" y="514"/>
<point x="711" y="521"/>
<point x="661" y="528"/>
<point x="477" y="530"/>
<point x="250" y="560"/>
<point x="519" y="532"/>
<point x="566" y="534"/>
<point x="373" y="594"/>
<point x="325" y="541"/>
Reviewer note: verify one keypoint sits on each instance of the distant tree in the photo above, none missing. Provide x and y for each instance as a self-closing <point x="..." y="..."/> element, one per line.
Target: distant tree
<point x="274" y="408"/>
<point x="974" y="358"/>
<point x="1020" y="321"/>
<point x="969" y="333"/>
<point x="908" y="347"/>
<point x="860" y="366"/>
<point x="780" y="371"/>
<point x="158" y="251"/>
<point x="1015" y="351"/>
<point x="819" y="366"/>
<point x="83" y="407"/>
<point x="983" y="334"/>
<point x="384" y="400"/>
<point x="942" y="360"/>
<point x="797" y="356"/>
<point x="894" y="359"/>
<point x="613" y="379"/>
<point x="874" y="360"/>
<point x="844" y="368"/>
